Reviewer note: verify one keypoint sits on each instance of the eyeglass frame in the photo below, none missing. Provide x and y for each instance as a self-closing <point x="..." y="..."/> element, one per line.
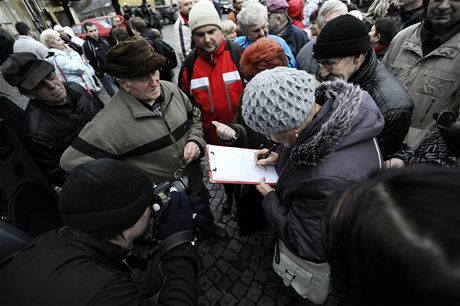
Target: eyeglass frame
<point x="329" y="66"/>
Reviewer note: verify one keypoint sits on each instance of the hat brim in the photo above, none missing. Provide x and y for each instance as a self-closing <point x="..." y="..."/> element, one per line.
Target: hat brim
<point x="37" y="75"/>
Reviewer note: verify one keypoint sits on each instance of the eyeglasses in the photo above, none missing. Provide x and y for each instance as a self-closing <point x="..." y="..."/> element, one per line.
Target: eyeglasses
<point x="49" y="77"/>
<point x="179" y="173"/>
<point x="328" y="64"/>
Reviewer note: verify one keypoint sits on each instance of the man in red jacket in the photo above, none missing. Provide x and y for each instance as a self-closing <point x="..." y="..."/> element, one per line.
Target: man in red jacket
<point x="210" y="74"/>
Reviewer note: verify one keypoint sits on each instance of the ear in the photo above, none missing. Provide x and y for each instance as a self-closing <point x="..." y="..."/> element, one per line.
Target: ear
<point x="123" y="84"/>
<point x="378" y="37"/>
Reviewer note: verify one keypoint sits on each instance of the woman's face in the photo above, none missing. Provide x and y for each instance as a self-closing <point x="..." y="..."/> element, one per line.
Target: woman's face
<point x="58" y="43"/>
<point x="374" y="36"/>
<point x="287" y="138"/>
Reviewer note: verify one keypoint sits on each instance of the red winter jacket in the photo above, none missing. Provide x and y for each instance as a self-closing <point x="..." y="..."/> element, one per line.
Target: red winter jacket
<point x="215" y="87"/>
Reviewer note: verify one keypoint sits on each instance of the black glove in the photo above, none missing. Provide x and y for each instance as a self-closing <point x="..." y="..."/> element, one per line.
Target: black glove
<point x="179" y="216"/>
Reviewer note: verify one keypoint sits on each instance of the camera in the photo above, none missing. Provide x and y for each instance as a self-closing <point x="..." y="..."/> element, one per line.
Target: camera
<point x="162" y="196"/>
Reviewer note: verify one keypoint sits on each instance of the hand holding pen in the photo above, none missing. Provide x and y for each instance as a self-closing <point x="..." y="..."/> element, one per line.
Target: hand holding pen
<point x="266" y="157"/>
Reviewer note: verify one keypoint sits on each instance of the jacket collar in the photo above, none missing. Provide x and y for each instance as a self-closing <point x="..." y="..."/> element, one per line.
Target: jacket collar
<point x="367" y="71"/>
<point x="138" y="110"/>
<point x="333" y="122"/>
<point x="211" y="56"/>
<point x="99" y="248"/>
<point x="449" y="49"/>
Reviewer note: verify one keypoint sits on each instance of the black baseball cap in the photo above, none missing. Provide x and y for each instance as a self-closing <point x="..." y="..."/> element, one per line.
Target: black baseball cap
<point x="24" y="70"/>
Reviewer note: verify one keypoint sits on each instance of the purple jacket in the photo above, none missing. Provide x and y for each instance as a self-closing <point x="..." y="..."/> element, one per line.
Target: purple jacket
<point x="338" y="147"/>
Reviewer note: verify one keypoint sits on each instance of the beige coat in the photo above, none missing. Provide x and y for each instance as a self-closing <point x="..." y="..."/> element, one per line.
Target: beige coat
<point x="432" y="81"/>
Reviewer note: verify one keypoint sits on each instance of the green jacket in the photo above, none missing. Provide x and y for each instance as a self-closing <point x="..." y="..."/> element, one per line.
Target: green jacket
<point x="127" y="130"/>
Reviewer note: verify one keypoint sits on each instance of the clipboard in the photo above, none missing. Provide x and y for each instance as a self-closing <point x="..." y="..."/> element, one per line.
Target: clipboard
<point x="230" y="165"/>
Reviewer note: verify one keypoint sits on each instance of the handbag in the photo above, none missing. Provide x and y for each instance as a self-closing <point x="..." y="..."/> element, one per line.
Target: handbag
<point x="310" y="280"/>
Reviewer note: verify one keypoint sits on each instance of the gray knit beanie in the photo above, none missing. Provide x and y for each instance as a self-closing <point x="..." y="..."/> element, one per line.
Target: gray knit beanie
<point x="277" y="100"/>
<point x="202" y="14"/>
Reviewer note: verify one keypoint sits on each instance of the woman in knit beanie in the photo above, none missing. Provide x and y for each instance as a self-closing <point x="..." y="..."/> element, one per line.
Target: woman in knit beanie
<point x="327" y="140"/>
<point x="261" y="55"/>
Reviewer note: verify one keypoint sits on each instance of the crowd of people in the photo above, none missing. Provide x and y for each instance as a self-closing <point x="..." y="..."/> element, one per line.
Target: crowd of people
<point x="332" y="95"/>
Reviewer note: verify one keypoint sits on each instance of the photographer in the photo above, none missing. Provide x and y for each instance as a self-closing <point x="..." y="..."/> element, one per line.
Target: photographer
<point x="105" y="206"/>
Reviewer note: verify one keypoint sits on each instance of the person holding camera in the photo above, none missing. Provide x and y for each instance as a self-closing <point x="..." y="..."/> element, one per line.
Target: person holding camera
<point x="105" y="206"/>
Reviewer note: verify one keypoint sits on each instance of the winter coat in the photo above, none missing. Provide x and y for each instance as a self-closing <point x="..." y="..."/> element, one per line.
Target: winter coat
<point x="305" y="59"/>
<point x="294" y="37"/>
<point x="70" y="67"/>
<point x="244" y="42"/>
<point x="338" y="147"/>
<point x="215" y="86"/>
<point x="129" y="131"/>
<point x="432" y="81"/>
<point x="182" y="38"/>
<point x="49" y="129"/>
<point x="391" y="98"/>
<point x="95" y="51"/>
<point x="69" y="267"/>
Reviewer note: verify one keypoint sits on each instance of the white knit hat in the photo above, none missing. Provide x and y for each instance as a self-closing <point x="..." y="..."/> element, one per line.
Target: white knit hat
<point x="202" y="14"/>
<point x="277" y="100"/>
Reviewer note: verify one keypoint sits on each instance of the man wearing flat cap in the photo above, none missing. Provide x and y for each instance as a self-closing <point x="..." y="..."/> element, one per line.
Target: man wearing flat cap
<point x="55" y="114"/>
<point x="343" y="51"/>
<point x="148" y="123"/>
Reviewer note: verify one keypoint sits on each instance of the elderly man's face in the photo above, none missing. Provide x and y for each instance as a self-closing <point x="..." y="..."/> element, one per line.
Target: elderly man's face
<point x="207" y="38"/>
<point x="257" y="31"/>
<point x="341" y="68"/>
<point x="146" y="89"/>
<point x="185" y="6"/>
<point x="443" y="14"/>
<point x="49" y="90"/>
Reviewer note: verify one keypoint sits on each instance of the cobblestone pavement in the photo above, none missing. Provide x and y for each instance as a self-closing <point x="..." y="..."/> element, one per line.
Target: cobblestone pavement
<point x="238" y="271"/>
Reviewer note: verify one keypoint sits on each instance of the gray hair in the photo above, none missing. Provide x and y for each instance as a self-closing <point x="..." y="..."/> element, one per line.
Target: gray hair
<point x="48" y="36"/>
<point x="252" y="13"/>
<point x="330" y="7"/>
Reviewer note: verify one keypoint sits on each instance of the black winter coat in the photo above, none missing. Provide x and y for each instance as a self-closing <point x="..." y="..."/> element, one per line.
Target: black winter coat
<point x="295" y="38"/>
<point x="391" y="98"/>
<point x="338" y="147"/>
<point x="50" y="129"/>
<point x="69" y="267"/>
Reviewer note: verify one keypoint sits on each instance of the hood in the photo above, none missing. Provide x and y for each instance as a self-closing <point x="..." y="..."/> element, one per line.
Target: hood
<point x="348" y="116"/>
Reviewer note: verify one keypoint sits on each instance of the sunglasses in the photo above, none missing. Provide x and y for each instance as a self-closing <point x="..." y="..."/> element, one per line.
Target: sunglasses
<point x="49" y="77"/>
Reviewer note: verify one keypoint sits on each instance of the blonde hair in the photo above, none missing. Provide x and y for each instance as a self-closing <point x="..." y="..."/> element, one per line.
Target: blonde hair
<point x="48" y="36"/>
<point x="228" y="27"/>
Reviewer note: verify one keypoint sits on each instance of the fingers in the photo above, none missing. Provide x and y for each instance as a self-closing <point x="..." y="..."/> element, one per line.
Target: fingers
<point x="216" y="123"/>
<point x="259" y="154"/>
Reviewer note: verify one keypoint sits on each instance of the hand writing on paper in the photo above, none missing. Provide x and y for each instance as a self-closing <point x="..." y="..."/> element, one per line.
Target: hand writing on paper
<point x="263" y="187"/>
<point x="191" y="151"/>
<point x="224" y="131"/>
<point x="269" y="161"/>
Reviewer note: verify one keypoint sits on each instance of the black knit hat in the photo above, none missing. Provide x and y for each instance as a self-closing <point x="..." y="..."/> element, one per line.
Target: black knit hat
<point x="104" y="197"/>
<point x="341" y="37"/>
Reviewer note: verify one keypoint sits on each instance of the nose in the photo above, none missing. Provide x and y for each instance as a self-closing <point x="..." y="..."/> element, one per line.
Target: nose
<point x="444" y="5"/>
<point x="49" y="84"/>
<point x="323" y="71"/>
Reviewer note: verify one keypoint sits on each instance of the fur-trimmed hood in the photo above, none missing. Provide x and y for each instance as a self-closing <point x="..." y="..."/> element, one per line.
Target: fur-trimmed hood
<point x="348" y="115"/>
